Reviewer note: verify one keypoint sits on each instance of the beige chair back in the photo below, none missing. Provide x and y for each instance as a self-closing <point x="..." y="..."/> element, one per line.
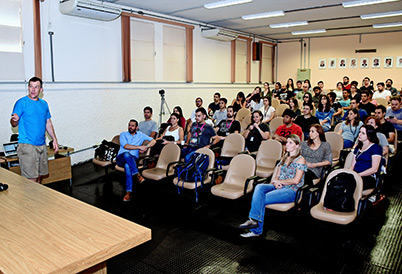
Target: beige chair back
<point x="300" y="103"/>
<point x="234" y="144"/>
<point x="243" y="112"/>
<point x="275" y="123"/>
<point x="381" y="101"/>
<point x="170" y="153"/>
<point x="241" y="167"/>
<point x="269" y="152"/>
<point x="275" y="103"/>
<point x="336" y="142"/>
<point x="211" y="164"/>
<point x="337" y="127"/>
<point x="348" y="160"/>
<point x="116" y="139"/>
<point x="280" y="109"/>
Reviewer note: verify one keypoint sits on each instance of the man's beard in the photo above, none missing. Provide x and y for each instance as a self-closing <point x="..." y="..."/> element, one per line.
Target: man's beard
<point x="229" y="116"/>
<point x="131" y="131"/>
<point x="388" y="85"/>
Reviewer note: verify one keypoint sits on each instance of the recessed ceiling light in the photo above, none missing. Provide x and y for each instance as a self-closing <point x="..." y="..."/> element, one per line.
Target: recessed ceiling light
<point x="313" y="31"/>
<point x="225" y="3"/>
<point x="288" y="25"/>
<point x="264" y="15"/>
<point x="388" y="25"/>
<point x="365" y="3"/>
<point x="381" y="15"/>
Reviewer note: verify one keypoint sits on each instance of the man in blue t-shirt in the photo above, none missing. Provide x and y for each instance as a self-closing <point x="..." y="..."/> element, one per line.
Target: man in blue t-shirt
<point x="32" y="116"/>
<point x="394" y="115"/>
<point x="131" y="144"/>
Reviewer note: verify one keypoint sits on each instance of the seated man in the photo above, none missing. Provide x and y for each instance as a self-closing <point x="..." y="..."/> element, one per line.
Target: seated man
<point x="148" y="127"/>
<point x="214" y="106"/>
<point x="306" y="120"/>
<point x="355" y="104"/>
<point x="345" y="102"/>
<point x="221" y="113"/>
<point x="387" y="128"/>
<point x="228" y="126"/>
<point x="130" y="147"/>
<point x="366" y="104"/>
<point x="316" y="95"/>
<point x="394" y="115"/>
<point x="288" y="127"/>
<point x="199" y="135"/>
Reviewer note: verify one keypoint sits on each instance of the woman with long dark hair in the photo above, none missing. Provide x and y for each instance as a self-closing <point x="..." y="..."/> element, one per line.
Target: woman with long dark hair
<point x="268" y="111"/>
<point x="308" y="98"/>
<point x="282" y="188"/>
<point x="324" y="112"/>
<point x="294" y="105"/>
<point x="182" y="120"/>
<point x="290" y="85"/>
<point x="367" y="156"/>
<point x="267" y="91"/>
<point x="350" y="128"/>
<point x="256" y="132"/>
<point x="317" y="153"/>
<point x="239" y="102"/>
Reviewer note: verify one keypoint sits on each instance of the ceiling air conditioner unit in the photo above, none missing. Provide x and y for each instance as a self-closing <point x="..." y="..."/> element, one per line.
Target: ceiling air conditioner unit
<point x="89" y="9"/>
<point x="218" y="34"/>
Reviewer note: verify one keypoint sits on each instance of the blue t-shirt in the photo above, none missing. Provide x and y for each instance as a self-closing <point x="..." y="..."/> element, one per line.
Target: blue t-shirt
<point x="398" y="115"/>
<point x="33" y="118"/>
<point x="364" y="158"/>
<point x="136" y="140"/>
<point x="201" y="135"/>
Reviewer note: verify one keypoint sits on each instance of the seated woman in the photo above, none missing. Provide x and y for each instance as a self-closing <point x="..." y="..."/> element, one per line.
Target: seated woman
<point x="268" y="111"/>
<point x="282" y="188"/>
<point x="172" y="134"/>
<point x="239" y="102"/>
<point x="294" y="105"/>
<point x="255" y="132"/>
<point x="382" y="140"/>
<point x="367" y="156"/>
<point x="324" y="112"/>
<point x="317" y="153"/>
<point x="350" y="128"/>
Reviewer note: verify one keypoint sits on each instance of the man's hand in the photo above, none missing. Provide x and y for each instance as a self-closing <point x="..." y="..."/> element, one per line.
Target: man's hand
<point x="55" y="146"/>
<point x="15" y="117"/>
<point x="143" y="149"/>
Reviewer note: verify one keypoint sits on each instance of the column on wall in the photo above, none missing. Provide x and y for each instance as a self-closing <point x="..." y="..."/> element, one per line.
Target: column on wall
<point x="37" y="39"/>
<point x="125" y="45"/>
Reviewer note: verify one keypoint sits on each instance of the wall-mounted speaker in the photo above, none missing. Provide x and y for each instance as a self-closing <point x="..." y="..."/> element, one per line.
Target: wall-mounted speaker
<point x="257" y="46"/>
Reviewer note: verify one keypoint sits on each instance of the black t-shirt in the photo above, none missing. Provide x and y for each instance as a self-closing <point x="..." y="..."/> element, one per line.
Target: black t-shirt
<point x="201" y="135"/>
<point x="386" y="128"/>
<point x="254" y="137"/>
<point x="213" y="106"/>
<point x="226" y="127"/>
<point x="306" y="123"/>
<point x="369" y="108"/>
<point x="369" y="89"/>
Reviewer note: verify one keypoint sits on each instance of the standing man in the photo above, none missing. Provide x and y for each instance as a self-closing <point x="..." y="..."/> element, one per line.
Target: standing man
<point x="148" y="127"/>
<point x="32" y="115"/>
<point x="199" y="135"/>
<point x="130" y="147"/>
<point x="214" y="106"/>
<point x="394" y="115"/>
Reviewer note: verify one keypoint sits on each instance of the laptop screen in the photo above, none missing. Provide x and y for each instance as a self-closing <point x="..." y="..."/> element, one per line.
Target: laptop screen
<point x="10" y="149"/>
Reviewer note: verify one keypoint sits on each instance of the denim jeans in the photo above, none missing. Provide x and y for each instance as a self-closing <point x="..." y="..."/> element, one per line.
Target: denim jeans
<point x="130" y="167"/>
<point x="266" y="194"/>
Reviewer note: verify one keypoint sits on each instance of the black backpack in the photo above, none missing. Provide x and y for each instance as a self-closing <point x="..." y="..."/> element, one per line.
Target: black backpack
<point x="107" y="151"/>
<point x="340" y="191"/>
<point x="194" y="169"/>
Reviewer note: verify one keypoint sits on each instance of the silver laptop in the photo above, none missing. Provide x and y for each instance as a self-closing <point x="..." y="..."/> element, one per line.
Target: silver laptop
<point x="10" y="149"/>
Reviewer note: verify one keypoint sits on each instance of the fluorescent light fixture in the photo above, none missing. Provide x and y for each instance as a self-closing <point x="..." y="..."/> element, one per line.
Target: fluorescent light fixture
<point x="225" y="3"/>
<point x="365" y="3"/>
<point x="264" y="15"/>
<point x="381" y="15"/>
<point x="313" y="31"/>
<point x="288" y="25"/>
<point x="388" y="25"/>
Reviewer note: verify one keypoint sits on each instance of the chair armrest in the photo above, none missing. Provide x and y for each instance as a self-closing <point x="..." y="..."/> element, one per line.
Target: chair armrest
<point x="244" y="152"/>
<point x="169" y="165"/>
<point x="299" y="192"/>
<point x="247" y="182"/>
<point x="261" y="181"/>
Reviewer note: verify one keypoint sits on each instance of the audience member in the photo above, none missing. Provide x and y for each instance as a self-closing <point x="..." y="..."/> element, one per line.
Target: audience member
<point x="178" y="110"/>
<point x="267" y="91"/>
<point x="382" y="140"/>
<point x="199" y="135"/>
<point x="336" y="107"/>
<point x="316" y="96"/>
<point x="355" y="93"/>
<point x="198" y="104"/>
<point x="32" y="116"/>
<point x="268" y="112"/>
<point x="381" y="92"/>
<point x="256" y="102"/>
<point x="214" y="106"/>
<point x="355" y="105"/>
<point x="307" y="81"/>
<point x="324" y="112"/>
<point x="317" y="153"/>
<point x="277" y="90"/>
<point x="345" y="101"/>
<point x="228" y="126"/>
<point x="306" y="120"/>
<point x="321" y="85"/>
<point x="221" y="113"/>
<point x="294" y="105"/>
<point x="350" y="128"/>
<point x="255" y="132"/>
<point x="250" y="96"/>
<point x="148" y="126"/>
<point x="346" y="84"/>
<point x="282" y="189"/>
<point x="130" y="146"/>
<point x="288" y="127"/>
<point x="366" y="85"/>
<point x="389" y="87"/>
<point x="339" y="90"/>
<point x="367" y="156"/>
<point x="298" y="87"/>
<point x="300" y="95"/>
<point x="285" y="95"/>
<point x="239" y="102"/>
<point x="290" y="85"/>
<point x="394" y="115"/>
<point x="174" y="133"/>
<point x="365" y="103"/>
<point x="387" y="128"/>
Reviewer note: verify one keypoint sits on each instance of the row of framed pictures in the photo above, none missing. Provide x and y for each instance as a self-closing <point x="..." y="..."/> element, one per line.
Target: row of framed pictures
<point x="342" y="63"/>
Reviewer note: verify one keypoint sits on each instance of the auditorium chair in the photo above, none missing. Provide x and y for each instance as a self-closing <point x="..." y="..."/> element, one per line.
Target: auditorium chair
<point x="103" y="163"/>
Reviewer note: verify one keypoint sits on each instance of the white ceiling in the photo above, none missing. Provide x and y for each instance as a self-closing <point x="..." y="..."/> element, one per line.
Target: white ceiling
<point x="336" y="19"/>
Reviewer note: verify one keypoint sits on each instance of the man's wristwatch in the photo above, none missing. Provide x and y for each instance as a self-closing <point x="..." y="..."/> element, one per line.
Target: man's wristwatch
<point x="147" y="146"/>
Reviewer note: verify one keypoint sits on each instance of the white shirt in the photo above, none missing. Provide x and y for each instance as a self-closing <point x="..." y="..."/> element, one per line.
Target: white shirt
<point x="192" y="117"/>
<point x="266" y="114"/>
<point x="382" y="94"/>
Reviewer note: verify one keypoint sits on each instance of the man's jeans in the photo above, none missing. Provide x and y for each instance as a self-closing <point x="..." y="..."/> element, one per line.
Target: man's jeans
<point x="129" y="163"/>
<point x="266" y="194"/>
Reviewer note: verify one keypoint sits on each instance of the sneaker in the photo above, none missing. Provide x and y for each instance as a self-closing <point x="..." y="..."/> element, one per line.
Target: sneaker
<point x="127" y="197"/>
<point x="140" y="178"/>
<point x="250" y="223"/>
<point x="249" y="235"/>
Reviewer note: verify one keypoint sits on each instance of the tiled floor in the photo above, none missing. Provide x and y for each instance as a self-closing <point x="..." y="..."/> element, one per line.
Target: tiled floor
<point x="203" y="238"/>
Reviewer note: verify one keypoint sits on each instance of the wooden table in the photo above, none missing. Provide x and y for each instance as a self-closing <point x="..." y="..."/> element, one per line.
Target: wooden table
<point x="59" y="167"/>
<point x="44" y="231"/>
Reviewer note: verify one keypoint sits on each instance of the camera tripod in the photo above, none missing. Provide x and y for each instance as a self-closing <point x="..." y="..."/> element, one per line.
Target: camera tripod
<point x="162" y="109"/>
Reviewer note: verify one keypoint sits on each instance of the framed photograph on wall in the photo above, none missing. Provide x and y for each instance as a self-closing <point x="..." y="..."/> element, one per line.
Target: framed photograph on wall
<point x="332" y="63"/>
<point x="342" y="63"/>
<point x="398" y="63"/>
<point x="364" y="62"/>
<point x="353" y="63"/>
<point x="375" y="62"/>
<point x="322" y="64"/>
<point x="388" y="62"/>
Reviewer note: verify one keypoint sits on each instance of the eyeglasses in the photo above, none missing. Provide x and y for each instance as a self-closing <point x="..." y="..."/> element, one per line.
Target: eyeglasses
<point x="305" y="97"/>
